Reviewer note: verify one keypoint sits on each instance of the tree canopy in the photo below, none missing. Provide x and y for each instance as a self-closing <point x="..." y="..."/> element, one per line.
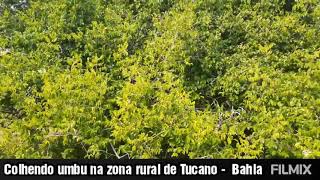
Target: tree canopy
<point x="160" y="78"/>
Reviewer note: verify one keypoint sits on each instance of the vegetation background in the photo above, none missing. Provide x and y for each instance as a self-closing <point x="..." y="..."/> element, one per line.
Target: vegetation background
<point x="160" y="78"/>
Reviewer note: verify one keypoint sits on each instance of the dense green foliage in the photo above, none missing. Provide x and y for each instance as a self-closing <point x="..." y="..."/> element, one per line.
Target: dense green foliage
<point x="160" y="78"/>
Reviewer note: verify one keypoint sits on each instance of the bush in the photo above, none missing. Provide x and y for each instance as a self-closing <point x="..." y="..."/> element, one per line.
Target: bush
<point x="160" y="79"/>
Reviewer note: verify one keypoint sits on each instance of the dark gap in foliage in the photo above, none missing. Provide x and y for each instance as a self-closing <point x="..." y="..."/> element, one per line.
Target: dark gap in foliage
<point x="235" y="140"/>
<point x="67" y="46"/>
<point x="8" y="106"/>
<point x="248" y="131"/>
<point x="166" y="5"/>
<point x="15" y="5"/>
<point x="73" y="150"/>
<point x="137" y="41"/>
<point x="36" y="84"/>
<point x="231" y="38"/>
<point x="164" y="154"/>
<point x="288" y="5"/>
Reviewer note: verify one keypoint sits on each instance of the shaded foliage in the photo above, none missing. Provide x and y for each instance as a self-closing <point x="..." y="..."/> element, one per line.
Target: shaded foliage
<point x="160" y="79"/>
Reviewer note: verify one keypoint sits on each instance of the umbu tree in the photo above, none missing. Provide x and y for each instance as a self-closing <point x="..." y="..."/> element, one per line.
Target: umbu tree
<point x="160" y="79"/>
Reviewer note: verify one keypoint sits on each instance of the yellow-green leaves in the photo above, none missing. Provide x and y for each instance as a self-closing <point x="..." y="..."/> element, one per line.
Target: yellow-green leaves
<point x="160" y="79"/>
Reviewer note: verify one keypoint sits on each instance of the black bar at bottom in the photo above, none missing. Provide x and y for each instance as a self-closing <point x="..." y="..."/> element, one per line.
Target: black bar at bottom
<point x="204" y="168"/>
